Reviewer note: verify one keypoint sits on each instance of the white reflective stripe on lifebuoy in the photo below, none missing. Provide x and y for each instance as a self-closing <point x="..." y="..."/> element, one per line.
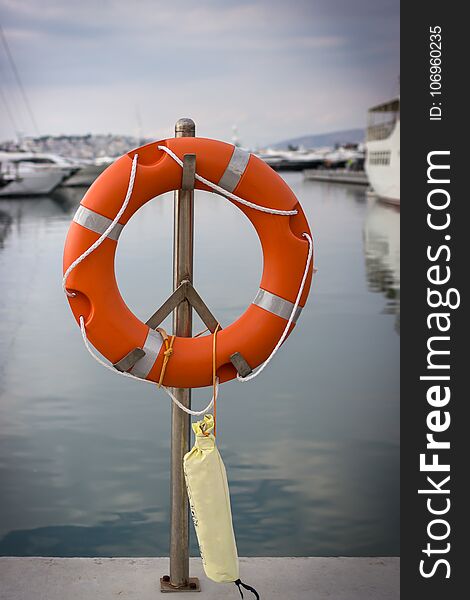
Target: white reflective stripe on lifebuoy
<point x="95" y="222"/>
<point x="276" y="305"/>
<point x="235" y="169"/>
<point x="151" y="347"/>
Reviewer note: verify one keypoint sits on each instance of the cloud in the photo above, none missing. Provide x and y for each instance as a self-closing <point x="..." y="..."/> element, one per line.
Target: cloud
<point x="275" y="68"/>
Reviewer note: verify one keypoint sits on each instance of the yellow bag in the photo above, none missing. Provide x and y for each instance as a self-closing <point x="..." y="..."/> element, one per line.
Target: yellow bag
<point x="206" y="482"/>
<point x="209" y="499"/>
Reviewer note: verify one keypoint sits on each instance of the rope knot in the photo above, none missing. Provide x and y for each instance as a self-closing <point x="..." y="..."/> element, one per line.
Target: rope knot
<point x="167" y="353"/>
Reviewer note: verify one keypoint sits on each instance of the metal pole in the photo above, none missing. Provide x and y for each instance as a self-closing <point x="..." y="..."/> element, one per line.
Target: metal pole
<point x="180" y="421"/>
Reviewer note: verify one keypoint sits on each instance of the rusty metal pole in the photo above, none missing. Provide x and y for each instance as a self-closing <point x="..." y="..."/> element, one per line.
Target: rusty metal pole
<point x="180" y="421"/>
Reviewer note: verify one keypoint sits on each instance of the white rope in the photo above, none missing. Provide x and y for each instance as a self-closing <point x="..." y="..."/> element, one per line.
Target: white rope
<point x="196" y="413"/>
<point x="291" y="318"/>
<point x="103" y="236"/>
<point x="273" y="212"/>
<point x="105" y="233"/>
<point x="219" y="190"/>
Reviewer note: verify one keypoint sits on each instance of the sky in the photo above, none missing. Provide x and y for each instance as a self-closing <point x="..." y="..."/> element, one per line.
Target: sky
<point x="276" y="69"/>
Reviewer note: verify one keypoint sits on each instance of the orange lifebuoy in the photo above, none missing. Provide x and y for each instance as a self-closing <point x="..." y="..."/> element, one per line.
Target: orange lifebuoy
<point x="110" y="325"/>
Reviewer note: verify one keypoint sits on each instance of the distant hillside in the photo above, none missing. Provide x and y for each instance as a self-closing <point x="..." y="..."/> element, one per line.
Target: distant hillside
<point x="348" y="136"/>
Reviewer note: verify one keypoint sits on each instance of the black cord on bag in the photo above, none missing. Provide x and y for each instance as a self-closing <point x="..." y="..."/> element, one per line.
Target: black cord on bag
<point x="239" y="583"/>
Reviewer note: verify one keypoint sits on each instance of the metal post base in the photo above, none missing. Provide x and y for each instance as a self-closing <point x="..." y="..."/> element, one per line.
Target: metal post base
<point x="192" y="586"/>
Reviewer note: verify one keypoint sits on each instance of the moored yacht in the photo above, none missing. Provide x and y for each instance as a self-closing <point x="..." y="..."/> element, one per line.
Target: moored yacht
<point x="32" y="174"/>
<point x="383" y="150"/>
<point x="292" y="160"/>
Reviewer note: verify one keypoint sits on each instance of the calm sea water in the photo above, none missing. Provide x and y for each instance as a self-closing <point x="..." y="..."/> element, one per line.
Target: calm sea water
<point x="311" y="446"/>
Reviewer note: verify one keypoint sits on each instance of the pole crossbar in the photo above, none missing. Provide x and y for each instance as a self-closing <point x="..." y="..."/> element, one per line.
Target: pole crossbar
<point x="185" y="291"/>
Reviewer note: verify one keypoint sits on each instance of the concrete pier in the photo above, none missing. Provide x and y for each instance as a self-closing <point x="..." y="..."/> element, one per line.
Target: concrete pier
<point x="138" y="579"/>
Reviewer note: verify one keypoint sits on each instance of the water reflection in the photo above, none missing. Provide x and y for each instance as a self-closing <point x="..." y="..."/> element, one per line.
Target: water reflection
<point x="311" y="449"/>
<point x="276" y="509"/>
<point x="382" y="253"/>
<point x="5" y="224"/>
<point x="67" y="199"/>
<point x="356" y="192"/>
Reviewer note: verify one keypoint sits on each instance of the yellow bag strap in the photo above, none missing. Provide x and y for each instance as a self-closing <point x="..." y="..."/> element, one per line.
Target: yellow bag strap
<point x="167" y="353"/>
<point x="168" y="341"/>
<point x="214" y="375"/>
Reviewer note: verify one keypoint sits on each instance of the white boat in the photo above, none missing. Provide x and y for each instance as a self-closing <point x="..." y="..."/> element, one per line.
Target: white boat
<point x="292" y="160"/>
<point x="383" y="150"/>
<point x="87" y="172"/>
<point x="32" y="174"/>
